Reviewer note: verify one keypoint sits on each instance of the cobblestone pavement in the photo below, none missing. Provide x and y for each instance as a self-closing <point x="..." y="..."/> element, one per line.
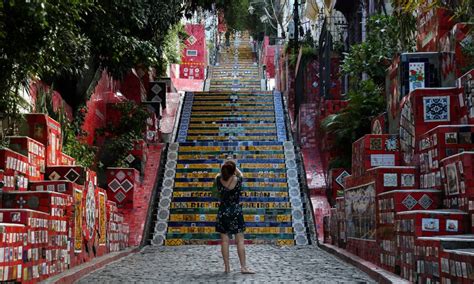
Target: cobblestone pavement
<point x="203" y="264"/>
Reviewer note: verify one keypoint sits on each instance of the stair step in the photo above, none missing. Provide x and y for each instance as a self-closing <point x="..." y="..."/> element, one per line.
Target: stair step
<point x="216" y="236"/>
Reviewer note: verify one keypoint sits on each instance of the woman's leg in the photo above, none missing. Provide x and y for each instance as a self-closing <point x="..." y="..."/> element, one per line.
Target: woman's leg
<point x="239" y="238"/>
<point x="225" y="251"/>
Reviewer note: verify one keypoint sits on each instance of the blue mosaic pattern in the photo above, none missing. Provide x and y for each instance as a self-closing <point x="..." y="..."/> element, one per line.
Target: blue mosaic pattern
<point x="279" y="116"/>
<point x="436" y="108"/>
<point x="186" y="117"/>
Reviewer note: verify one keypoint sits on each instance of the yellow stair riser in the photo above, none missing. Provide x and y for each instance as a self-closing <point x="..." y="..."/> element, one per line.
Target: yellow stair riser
<point x="212" y="218"/>
<point x="247" y="184"/>
<point x="243" y="166"/>
<point x="256" y="205"/>
<point x="198" y="194"/>
<point x="204" y="174"/>
<point x="219" y="148"/>
<point x="248" y="230"/>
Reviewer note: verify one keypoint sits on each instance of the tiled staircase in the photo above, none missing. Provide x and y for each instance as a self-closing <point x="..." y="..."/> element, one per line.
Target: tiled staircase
<point x="248" y="127"/>
<point x="237" y="70"/>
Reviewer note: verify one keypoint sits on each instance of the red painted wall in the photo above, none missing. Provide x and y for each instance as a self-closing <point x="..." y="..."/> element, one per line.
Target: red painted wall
<point x="103" y="93"/>
<point x="194" y="58"/>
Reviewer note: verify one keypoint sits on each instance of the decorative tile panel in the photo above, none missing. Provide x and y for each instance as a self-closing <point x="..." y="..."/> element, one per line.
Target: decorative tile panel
<point x="436" y="109"/>
<point x="390" y="180"/>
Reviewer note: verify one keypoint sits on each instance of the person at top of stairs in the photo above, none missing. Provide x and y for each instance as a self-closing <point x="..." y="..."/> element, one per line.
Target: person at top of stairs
<point x="230" y="218"/>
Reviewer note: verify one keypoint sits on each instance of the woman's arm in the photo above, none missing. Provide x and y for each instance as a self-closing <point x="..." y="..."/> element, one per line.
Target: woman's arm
<point x="238" y="173"/>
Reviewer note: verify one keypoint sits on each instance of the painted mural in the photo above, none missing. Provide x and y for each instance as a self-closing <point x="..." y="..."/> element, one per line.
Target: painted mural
<point x="78" y="221"/>
<point x="360" y="211"/>
<point x="102" y="219"/>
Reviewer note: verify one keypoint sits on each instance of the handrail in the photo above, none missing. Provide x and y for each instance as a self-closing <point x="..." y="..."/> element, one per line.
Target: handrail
<point x="309" y="216"/>
<point x="153" y="202"/>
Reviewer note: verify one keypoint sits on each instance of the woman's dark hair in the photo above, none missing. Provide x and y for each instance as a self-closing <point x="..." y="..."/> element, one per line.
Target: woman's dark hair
<point x="227" y="170"/>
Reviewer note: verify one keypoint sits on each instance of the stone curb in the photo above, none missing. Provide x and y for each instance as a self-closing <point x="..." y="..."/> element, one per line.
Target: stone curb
<point x="375" y="272"/>
<point x="76" y="273"/>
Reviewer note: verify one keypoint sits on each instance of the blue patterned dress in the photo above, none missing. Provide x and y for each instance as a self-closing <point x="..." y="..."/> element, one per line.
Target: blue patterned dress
<point x="230" y="219"/>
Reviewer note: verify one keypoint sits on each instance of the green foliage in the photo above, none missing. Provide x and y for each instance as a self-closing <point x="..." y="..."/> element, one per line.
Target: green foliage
<point x="173" y="46"/>
<point x="375" y="54"/>
<point x="126" y="33"/>
<point x="237" y="16"/>
<point x="60" y="41"/>
<point x="307" y="53"/>
<point x="123" y="135"/>
<point x="365" y="102"/>
<point x="73" y="137"/>
<point x="76" y="146"/>
<point x="463" y="10"/>
<point x="39" y="38"/>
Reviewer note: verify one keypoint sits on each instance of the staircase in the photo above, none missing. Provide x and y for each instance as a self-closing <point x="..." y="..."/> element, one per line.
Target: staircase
<point x="237" y="70"/>
<point x="240" y="122"/>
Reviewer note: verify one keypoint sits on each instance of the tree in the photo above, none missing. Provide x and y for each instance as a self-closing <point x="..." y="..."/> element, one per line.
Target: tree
<point x="64" y="42"/>
<point x="39" y="38"/>
<point x="365" y="98"/>
<point x="373" y="56"/>
<point x="365" y="102"/>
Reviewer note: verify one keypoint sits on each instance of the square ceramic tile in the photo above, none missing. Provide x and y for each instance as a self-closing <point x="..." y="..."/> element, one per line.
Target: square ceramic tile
<point x="436" y="108"/>
<point x="391" y="144"/>
<point x="376" y="144"/>
<point x="72" y="175"/>
<point x="390" y="180"/>
<point x="340" y="178"/>
<point x="378" y="160"/>
<point x="425" y="201"/>
<point x="416" y="77"/>
<point x="409" y="202"/>
<point x="407" y="180"/>
<point x="451" y="137"/>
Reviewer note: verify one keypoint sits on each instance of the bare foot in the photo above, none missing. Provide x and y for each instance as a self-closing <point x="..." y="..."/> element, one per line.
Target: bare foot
<point x="245" y="270"/>
<point x="227" y="271"/>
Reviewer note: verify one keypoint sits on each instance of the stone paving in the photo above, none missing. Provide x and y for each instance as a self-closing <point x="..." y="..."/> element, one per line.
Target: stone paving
<point x="203" y="264"/>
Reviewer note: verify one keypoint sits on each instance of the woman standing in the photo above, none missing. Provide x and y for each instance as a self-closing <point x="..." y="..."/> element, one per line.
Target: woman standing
<point x="230" y="219"/>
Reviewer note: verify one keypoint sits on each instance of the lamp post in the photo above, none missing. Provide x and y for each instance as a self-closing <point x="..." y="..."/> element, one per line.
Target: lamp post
<point x="296" y="21"/>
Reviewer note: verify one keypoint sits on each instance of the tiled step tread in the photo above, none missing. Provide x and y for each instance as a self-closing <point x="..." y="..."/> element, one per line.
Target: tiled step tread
<point x="225" y="155"/>
<point x="232" y="107"/>
<point x="253" y="145"/>
<point x="230" y="130"/>
<point x="218" y="114"/>
<point x="206" y="204"/>
<point x="234" y="119"/>
<point x="251" y="211"/>
<point x="224" y="138"/>
<point x="228" y="133"/>
<point x="211" y="229"/>
<point x="211" y="125"/>
<point x="254" y="188"/>
<point x="245" y="194"/>
<point x="231" y="102"/>
<point x="207" y="174"/>
<point x="277" y="242"/>
<point x="245" y="184"/>
<point x="243" y="199"/>
<point x="190" y="218"/>
<point x="216" y="236"/>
